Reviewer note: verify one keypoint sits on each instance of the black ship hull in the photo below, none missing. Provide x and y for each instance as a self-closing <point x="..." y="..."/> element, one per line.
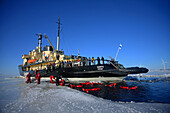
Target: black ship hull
<point x="106" y="70"/>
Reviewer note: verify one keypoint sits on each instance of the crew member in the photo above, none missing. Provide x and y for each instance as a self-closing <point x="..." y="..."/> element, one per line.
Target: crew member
<point x="53" y="66"/>
<point x="58" y="57"/>
<point x="93" y="60"/>
<point x="98" y="59"/>
<point x="28" y="78"/>
<point x="35" y="72"/>
<point x="49" y="67"/>
<point x="89" y="61"/>
<point x="38" y="78"/>
<point x="57" y="80"/>
<point x="102" y="59"/>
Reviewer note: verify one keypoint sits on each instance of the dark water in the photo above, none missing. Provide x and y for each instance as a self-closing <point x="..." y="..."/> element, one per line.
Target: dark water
<point x="151" y="87"/>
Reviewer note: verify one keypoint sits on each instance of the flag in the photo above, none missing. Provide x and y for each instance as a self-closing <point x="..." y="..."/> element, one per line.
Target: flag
<point x="120" y="46"/>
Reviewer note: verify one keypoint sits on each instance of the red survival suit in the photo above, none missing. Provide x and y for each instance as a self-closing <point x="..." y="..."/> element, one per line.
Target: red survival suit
<point x="38" y="76"/>
<point x="28" y="78"/>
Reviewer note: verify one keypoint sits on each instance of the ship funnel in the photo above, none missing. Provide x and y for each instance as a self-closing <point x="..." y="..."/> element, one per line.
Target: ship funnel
<point x="40" y="39"/>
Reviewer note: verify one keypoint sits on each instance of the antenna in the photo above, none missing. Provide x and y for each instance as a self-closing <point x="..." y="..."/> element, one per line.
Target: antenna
<point x="78" y="52"/>
<point x="58" y="33"/>
<point x="120" y="47"/>
<point x="39" y="41"/>
<point x="163" y="63"/>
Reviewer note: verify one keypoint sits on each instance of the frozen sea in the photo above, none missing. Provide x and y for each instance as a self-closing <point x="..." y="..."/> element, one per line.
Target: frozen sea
<point x="18" y="97"/>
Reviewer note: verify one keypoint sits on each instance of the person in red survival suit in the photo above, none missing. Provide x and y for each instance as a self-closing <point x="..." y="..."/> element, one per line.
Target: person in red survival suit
<point x="35" y="72"/>
<point x="38" y="76"/>
<point x="28" y="78"/>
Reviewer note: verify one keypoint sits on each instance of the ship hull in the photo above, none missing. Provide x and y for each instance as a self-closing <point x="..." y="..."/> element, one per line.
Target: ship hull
<point x="90" y="72"/>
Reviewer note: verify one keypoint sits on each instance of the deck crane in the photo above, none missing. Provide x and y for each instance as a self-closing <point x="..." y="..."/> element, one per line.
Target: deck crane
<point x="50" y="43"/>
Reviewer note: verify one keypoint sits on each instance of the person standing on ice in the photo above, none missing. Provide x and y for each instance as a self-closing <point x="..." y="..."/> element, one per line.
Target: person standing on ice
<point x="38" y="76"/>
<point x="57" y="80"/>
<point x="28" y="78"/>
<point x="36" y="72"/>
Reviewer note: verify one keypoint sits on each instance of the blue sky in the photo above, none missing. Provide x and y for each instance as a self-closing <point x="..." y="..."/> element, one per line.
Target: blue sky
<point x="95" y="27"/>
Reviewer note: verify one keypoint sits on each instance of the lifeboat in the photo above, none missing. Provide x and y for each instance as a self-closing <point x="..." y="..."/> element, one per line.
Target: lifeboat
<point x="32" y="61"/>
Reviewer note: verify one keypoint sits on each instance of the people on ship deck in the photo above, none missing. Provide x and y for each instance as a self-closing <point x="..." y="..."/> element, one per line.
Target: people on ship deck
<point x="102" y="60"/>
<point x="93" y="60"/>
<point x="98" y="60"/>
<point x="58" y="57"/>
<point x="62" y="64"/>
<point x="89" y="61"/>
<point x="53" y="66"/>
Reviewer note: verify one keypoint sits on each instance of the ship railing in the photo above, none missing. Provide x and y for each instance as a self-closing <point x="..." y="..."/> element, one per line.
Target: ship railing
<point x="74" y="63"/>
<point x="78" y="63"/>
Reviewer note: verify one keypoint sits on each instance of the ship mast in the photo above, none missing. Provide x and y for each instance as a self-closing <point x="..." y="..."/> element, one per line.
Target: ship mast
<point x="58" y="34"/>
<point x="40" y="39"/>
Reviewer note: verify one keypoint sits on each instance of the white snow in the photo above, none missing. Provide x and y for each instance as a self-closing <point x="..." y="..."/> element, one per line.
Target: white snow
<point x="48" y="98"/>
